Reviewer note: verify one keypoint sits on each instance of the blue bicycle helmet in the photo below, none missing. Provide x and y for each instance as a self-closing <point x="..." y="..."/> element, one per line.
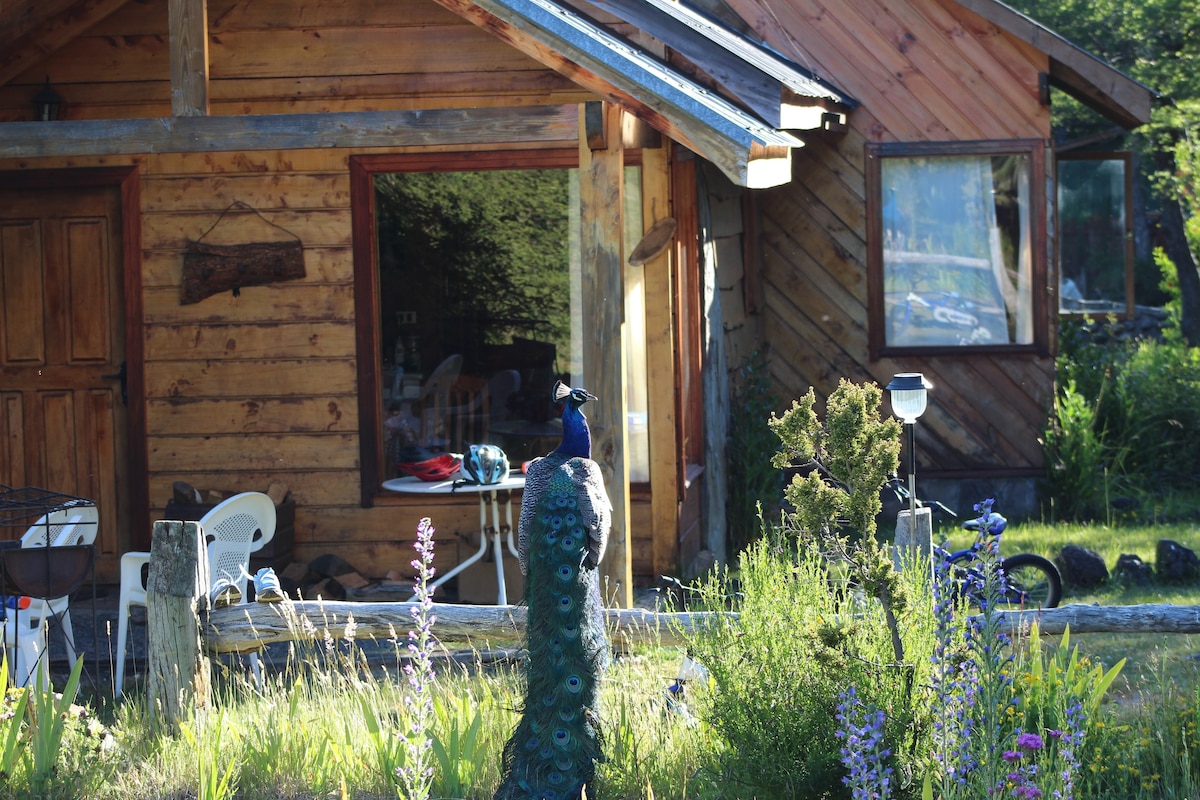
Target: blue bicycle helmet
<point x="484" y="464"/>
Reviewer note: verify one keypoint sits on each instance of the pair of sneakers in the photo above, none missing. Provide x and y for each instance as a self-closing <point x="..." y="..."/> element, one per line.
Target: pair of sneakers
<point x="266" y="589"/>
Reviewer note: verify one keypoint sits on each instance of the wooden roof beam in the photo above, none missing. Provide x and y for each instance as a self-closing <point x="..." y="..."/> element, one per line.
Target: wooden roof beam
<point x="758" y="77"/>
<point x="188" y="25"/>
<point x="555" y="126"/>
<point x="33" y="30"/>
<point x="750" y="153"/>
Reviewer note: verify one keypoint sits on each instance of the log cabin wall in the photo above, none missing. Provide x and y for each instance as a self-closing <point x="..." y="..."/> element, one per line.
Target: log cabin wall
<point x="242" y="391"/>
<point x="924" y="70"/>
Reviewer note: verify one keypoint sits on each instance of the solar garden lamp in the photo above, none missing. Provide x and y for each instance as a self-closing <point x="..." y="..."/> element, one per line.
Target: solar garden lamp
<point x="909" y="392"/>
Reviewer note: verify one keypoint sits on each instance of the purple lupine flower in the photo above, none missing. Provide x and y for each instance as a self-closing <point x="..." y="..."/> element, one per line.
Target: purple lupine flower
<point x="416" y="775"/>
<point x="864" y="756"/>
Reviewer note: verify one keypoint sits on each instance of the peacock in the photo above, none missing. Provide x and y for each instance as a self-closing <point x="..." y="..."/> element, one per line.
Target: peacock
<point x="562" y="532"/>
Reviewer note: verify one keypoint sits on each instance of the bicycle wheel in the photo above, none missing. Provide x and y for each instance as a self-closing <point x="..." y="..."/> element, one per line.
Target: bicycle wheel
<point x="1033" y="581"/>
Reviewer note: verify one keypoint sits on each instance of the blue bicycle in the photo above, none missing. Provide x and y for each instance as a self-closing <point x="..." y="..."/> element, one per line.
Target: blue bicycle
<point x="1030" y="580"/>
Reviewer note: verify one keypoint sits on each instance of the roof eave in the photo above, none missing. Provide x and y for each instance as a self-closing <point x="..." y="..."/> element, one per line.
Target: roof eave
<point x="749" y="152"/>
<point x="1085" y="77"/>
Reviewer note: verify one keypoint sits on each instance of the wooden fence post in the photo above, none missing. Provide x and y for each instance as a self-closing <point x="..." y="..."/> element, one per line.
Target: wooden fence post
<point x="178" y="676"/>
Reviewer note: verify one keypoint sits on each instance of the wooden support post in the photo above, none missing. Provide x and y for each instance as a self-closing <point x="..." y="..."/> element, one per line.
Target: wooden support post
<point x="178" y="676"/>
<point x="601" y="205"/>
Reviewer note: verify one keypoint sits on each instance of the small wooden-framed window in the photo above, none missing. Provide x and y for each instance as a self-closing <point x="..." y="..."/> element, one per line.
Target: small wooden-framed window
<point x="956" y="247"/>
<point x="1095" y="233"/>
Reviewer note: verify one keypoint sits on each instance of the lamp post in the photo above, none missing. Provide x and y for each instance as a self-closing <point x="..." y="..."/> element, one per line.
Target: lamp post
<point x="909" y="393"/>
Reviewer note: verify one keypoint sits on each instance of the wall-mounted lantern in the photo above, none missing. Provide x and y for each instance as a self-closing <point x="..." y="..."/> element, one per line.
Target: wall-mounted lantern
<point x="47" y="103"/>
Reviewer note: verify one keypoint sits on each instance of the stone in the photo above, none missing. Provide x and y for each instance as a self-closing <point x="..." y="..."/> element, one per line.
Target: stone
<point x="1174" y="562"/>
<point x="1132" y="569"/>
<point x="1081" y="567"/>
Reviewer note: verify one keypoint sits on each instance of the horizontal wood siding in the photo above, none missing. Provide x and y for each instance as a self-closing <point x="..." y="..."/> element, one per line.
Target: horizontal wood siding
<point x="244" y="391"/>
<point x="924" y="70"/>
<point x="293" y="56"/>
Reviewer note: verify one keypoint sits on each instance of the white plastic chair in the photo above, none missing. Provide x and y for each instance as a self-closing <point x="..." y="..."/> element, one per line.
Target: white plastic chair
<point x="233" y="529"/>
<point x="64" y="527"/>
<point x="25" y="639"/>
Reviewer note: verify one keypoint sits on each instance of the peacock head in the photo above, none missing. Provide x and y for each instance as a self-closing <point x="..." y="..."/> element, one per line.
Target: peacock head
<point x="574" y="397"/>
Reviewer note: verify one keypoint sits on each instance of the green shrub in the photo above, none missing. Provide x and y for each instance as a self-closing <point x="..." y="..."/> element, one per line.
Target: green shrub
<point x="800" y="639"/>
<point x="752" y="479"/>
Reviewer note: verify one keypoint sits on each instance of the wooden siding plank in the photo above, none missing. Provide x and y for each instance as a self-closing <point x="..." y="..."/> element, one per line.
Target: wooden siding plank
<point x="444" y="127"/>
<point x="309" y="487"/>
<point x="319" y="227"/>
<point x="35" y="31"/>
<point x="234" y="15"/>
<point x="798" y="225"/>
<point x="258" y="340"/>
<point x="267" y="451"/>
<point x="340" y="51"/>
<point x="277" y="191"/>
<point x="282" y="378"/>
<point x="179" y="416"/>
<point x="832" y="53"/>
<point x="942" y="67"/>
<point x="276" y="303"/>
<point x="1014" y="89"/>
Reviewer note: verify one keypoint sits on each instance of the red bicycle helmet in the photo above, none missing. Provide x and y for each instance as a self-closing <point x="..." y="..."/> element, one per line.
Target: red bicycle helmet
<point x="439" y="468"/>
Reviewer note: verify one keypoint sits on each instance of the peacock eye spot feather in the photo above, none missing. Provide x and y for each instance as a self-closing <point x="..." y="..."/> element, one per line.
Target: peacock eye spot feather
<point x="561" y="501"/>
<point x="572" y="502"/>
<point x="565" y="604"/>
<point x="562" y="736"/>
<point x="566" y="572"/>
<point x="556" y="523"/>
<point x="574" y="684"/>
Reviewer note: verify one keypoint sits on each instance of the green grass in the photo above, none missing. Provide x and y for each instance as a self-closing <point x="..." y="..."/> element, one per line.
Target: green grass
<point x="1151" y="657"/>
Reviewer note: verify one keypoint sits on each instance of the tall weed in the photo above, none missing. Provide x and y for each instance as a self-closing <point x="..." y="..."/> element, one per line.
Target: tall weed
<point x="752" y="478"/>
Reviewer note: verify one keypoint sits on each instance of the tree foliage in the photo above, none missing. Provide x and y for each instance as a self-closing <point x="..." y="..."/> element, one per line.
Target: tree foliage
<point x="1156" y="42"/>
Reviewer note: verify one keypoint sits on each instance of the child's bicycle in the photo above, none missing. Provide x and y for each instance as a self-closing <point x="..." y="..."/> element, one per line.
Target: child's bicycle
<point x="1031" y="581"/>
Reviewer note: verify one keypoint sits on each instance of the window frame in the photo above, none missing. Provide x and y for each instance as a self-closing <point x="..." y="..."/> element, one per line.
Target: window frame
<point x="363" y="169"/>
<point x="1035" y="150"/>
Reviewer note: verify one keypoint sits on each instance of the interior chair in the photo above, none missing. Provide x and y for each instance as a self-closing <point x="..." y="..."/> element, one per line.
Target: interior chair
<point x="64" y="527"/>
<point x="502" y="386"/>
<point x="233" y="529"/>
<point x="434" y="402"/>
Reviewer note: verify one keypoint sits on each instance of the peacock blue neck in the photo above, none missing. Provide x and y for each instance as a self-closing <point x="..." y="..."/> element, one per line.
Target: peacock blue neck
<point x="577" y="438"/>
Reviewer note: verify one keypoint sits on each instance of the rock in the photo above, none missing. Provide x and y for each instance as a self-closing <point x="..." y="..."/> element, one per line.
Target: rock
<point x="1174" y="562"/>
<point x="1081" y="567"/>
<point x="1131" y="568"/>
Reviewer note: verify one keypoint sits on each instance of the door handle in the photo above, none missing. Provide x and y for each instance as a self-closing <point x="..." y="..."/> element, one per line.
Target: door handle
<point x="121" y="375"/>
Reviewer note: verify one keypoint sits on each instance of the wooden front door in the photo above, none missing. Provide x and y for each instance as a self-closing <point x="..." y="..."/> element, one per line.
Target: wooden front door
<point x="62" y="352"/>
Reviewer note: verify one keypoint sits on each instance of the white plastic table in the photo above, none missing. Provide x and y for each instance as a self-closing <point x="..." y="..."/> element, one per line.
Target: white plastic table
<point x="488" y="497"/>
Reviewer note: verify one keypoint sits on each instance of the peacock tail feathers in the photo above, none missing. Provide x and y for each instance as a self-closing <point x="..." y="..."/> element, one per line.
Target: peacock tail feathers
<point x="554" y="750"/>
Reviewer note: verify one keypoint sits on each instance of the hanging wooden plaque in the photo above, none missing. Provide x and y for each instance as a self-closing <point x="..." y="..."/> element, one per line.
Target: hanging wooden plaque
<point x="210" y="269"/>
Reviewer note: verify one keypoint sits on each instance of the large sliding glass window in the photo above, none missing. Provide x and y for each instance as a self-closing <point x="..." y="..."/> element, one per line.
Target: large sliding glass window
<point x="955" y="246"/>
<point x="480" y="310"/>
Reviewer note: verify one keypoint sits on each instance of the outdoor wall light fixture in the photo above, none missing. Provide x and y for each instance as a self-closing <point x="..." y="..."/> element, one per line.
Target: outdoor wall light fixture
<point x="909" y="393"/>
<point x="47" y="103"/>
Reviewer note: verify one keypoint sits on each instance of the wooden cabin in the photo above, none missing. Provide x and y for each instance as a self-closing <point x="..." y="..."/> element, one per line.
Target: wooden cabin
<point x="277" y="242"/>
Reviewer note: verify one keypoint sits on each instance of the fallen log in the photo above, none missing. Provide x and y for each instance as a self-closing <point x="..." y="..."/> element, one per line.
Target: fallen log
<point x="244" y="628"/>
